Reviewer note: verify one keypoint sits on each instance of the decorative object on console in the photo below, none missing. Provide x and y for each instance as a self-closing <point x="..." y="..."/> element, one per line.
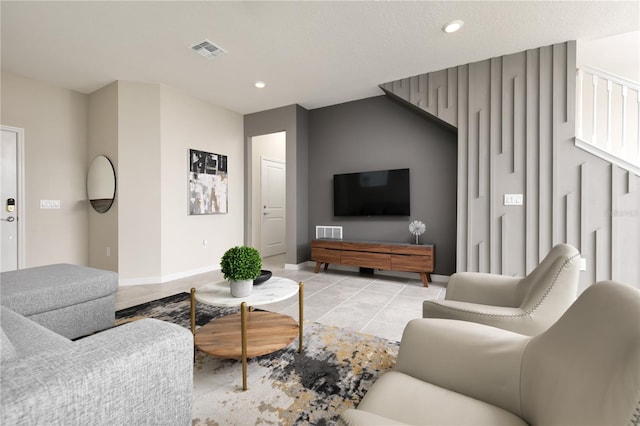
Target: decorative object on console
<point x="241" y="265"/>
<point x="264" y="276"/>
<point x="207" y="183"/>
<point x="417" y="228"/>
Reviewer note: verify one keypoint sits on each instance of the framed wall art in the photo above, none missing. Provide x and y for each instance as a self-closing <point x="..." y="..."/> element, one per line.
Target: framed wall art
<point x="208" y="183"/>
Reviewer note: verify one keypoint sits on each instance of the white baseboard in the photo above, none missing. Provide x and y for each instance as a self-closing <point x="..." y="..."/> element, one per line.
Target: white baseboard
<point x="411" y="275"/>
<point x="295" y="267"/>
<point x="166" y="278"/>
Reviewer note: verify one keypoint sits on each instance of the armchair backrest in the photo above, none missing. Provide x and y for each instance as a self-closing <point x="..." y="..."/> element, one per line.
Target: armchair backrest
<point x="585" y="369"/>
<point x="548" y="291"/>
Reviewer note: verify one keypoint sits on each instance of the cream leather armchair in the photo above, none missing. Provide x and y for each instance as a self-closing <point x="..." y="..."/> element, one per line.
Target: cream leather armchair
<point x="584" y="370"/>
<point x="528" y="305"/>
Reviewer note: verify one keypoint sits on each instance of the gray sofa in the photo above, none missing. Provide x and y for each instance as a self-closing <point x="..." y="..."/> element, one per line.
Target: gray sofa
<point x="140" y="373"/>
<point x="70" y="300"/>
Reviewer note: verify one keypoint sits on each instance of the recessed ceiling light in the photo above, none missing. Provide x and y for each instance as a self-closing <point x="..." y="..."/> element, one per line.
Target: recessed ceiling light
<point x="259" y="84"/>
<point x="453" y="26"/>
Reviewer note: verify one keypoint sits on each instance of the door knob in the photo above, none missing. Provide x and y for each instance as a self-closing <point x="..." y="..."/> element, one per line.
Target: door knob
<point x="10" y="219"/>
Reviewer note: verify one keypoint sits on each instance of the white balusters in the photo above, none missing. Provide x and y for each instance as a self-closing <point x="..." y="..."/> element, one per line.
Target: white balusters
<point x="623" y="151"/>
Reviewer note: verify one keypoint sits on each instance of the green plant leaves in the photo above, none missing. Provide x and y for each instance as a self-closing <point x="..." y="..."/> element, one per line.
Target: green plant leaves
<point x="241" y="263"/>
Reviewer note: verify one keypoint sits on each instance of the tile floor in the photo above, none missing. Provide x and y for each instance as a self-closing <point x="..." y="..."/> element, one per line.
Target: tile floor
<point x="378" y="305"/>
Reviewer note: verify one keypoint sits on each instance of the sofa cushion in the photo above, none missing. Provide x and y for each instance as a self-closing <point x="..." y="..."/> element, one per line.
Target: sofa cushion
<point x="7" y="350"/>
<point x="27" y="337"/>
<point x="45" y="288"/>
<point x="394" y="396"/>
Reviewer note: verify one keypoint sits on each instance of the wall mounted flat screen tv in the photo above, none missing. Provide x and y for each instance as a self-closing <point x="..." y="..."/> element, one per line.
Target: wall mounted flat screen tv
<point x="377" y="193"/>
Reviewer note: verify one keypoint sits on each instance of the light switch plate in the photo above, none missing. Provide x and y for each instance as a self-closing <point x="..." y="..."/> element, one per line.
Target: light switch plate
<point x="513" y="199"/>
<point x="49" y="204"/>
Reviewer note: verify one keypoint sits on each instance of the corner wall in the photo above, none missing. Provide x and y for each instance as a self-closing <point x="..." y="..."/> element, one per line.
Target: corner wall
<point x="516" y="128"/>
<point x="378" y="133"/>
<point x="292" y="119"/>
<point x="103" y="140"/>
<point x="55" y="124"/>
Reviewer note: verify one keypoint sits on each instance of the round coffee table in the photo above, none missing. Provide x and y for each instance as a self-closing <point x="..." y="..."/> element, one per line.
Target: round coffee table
<point x="250" y="333"/>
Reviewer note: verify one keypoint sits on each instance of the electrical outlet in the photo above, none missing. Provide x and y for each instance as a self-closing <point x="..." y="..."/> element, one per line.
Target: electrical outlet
<point x="108" y="251"/>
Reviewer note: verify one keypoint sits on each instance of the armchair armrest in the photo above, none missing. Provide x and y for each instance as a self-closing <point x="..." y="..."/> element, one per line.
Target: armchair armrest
<point x="513" y="319"/>
<point x="472" y="359"/>
<point x="484" y="289"/>
<point x="139" y="373"/>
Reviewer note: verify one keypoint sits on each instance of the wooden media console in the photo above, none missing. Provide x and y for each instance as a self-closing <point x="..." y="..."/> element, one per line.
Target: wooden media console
<point x="376" y="255"/>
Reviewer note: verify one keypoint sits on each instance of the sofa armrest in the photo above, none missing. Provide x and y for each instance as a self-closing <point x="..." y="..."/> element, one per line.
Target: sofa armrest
<point x="482" y="288"/>
<point x="472" y="359"/>
<point x="354" y="417"/>
<point x="139" y="373"/>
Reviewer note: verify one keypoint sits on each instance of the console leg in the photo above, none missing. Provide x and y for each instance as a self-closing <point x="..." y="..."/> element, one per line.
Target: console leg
<point x="425" y="278"/>
<point x="243" y="326"/>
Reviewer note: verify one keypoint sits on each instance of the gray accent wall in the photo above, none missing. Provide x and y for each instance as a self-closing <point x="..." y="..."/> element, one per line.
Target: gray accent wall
<point x="516" y="129"/>
<point x="376" y="134"/>
<point x="293" y="120"/>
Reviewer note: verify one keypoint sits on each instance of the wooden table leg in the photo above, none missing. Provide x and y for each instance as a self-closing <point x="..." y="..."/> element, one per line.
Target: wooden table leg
<point x="301" y="307"/>
<point x="318" y="264"/>
<point x="243" y="325"/>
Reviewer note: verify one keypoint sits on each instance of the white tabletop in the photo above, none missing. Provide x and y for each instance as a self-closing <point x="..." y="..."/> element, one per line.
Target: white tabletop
<point x="273" y="290"/>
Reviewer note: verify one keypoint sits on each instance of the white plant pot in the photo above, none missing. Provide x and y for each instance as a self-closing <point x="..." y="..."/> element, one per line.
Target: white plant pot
<point x="242" y="288"/>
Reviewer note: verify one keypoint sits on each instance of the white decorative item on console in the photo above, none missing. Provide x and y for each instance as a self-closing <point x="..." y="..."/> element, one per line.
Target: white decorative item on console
<point x="417" y="228"/>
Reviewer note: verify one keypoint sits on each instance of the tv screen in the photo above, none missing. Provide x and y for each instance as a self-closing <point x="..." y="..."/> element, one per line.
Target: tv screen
<point x="378" y="193"/>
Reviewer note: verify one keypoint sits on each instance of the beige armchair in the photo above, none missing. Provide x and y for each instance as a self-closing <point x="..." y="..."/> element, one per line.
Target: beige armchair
<point x="584" y="370"/>
<point x="528" y="305"/>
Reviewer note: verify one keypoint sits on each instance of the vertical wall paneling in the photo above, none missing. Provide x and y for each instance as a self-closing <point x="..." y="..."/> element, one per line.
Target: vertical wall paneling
<point x="584" y="192"/>
<point x="523" y="141"/>
<point x="599" y="254"/>
<point x="470" y="175"/>
<point x="532" y="169"/>
<point x="494" y="132"/>
<point x="555" y="113"/>
<point x="503" y="244"/>
<point x="482" y="153"/>
<point x="569" y="214"/>
<point x="517" y="124"/>
<point x="503" y="106"/>
<point x="482" y="258"/>
<point x="463" y="229"/>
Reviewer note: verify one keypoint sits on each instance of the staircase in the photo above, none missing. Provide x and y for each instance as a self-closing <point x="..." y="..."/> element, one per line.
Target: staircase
<point x="608" y="117"/>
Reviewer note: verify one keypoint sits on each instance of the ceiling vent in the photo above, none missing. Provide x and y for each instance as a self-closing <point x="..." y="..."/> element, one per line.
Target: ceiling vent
<point x="208" y="49"/>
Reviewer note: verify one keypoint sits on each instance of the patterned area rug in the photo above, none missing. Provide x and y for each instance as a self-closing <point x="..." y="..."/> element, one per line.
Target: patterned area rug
<point x="333" y="373"/>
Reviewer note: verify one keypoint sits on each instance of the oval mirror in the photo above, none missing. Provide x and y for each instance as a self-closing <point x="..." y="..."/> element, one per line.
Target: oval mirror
<point x="101" y="184"/>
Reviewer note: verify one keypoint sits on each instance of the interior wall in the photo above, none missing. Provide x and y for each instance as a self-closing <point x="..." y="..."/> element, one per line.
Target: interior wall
<point x="377" y="134"/>
<point x="293" y="120"/>
<point x="55" y="123"/>
<point x="271" y="146"/>
<point x="194" y="244"/>
<point x="103" y="140"/>
<point x="516" y="125"/>
<point x="139" y="183"/>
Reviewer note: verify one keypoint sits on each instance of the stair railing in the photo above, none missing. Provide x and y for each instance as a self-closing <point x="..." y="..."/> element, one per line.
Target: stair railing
<point x="612" y="130"/>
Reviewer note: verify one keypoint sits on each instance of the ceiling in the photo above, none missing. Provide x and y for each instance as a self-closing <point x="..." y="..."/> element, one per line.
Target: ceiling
<point x="310" y="53"/>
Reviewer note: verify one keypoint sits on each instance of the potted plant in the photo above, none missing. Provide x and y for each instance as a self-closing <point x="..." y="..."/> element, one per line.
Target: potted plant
<point x="241" y="265"/>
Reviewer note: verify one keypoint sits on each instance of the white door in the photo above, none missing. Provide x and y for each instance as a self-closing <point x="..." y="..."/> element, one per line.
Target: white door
<point x="9" y="197"/>
<point x="273" y="207"/>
